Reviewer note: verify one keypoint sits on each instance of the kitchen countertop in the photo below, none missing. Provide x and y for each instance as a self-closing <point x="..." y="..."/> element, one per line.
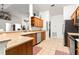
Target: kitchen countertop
<point x="23" y="31"/>
<point x="4" y="40"/>
<point x="30" y="32"/>
<point x="77" y="40"/>
<point x="16" y="37"/>
<point x="73" y="34"/>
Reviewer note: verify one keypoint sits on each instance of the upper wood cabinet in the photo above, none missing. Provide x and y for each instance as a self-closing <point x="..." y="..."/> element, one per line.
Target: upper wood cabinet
<point x="36" y="22"/>
<point x="74" y="17"/>
<point x="78" y="11"/>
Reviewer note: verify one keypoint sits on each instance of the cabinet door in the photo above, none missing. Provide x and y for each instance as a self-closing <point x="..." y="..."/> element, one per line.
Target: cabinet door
<point x="36" y="22"/>
<point x="32" y="22"/>
<point x="75" y="18"/>
<point x="77" y="48"/>
<point x="77" y="51"/>
<point x="68" y="42"/>
<point x="22" y="49"/>
<point x="33" y="36"/>
<point x="78" y="45"/>
<point x="41" y="23"/>
<point x="78" y="11"/>
<point x="43" y="36"/>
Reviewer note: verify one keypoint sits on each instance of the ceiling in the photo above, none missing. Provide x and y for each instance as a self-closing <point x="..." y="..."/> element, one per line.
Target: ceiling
<point x="57" y="9"/>
<point x="16" y="8"/>
<point x="24" y="8"/>
<point x="5" y="6"/>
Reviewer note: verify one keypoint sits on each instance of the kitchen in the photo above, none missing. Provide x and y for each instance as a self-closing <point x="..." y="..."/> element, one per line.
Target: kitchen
<point x="30" y="29"/>
<point x="72" y="29"/>
<point x="17" y="27"/>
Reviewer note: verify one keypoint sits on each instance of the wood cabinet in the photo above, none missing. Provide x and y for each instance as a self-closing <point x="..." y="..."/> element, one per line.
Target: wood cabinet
<point x="77" y="49"/>
<point x="43" y="36"/>
<point x="34" y="37"/>
<point x="36" y="22"/>
<point x="22" y="49"/>
<point x="74" y="16"/>
<point x="68" y="41"/>
<point x="78" y="11"/>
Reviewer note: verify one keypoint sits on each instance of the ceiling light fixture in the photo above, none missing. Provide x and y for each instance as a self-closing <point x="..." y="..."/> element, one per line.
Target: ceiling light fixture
<point x="52" y="5"/>
<point x="4" y="15"/>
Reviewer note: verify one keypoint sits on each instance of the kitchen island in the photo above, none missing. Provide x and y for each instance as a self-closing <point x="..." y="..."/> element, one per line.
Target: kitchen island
<point x="22" y="42"/>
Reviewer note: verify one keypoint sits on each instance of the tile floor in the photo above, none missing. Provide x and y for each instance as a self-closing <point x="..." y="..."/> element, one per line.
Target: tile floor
<point x="51" y="45"/>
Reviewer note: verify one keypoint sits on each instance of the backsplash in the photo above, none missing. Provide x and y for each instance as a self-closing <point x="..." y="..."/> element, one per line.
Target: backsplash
<point x="3" y="22"/>
<point x="36" y="28"/>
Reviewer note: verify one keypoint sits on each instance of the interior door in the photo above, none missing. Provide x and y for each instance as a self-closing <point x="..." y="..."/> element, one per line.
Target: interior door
<point x="49" y="29"/>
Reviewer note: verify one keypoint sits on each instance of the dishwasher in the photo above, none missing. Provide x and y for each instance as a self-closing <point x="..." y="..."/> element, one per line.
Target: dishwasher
<point x="72" y="45"/>
<point x="38" y="37"/>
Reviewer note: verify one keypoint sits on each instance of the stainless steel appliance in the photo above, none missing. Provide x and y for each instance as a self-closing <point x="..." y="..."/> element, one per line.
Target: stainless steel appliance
<point x="38" y="37"/>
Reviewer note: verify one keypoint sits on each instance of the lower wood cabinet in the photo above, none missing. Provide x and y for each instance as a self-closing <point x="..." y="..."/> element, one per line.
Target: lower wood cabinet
<point x="77" y="49"/>
<point x="22" y="49"/>
<point x="68" y="42"/>
<point x="27" y="47"/>
<point x="43" y="35"/>
<point x="34" y="36"/>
